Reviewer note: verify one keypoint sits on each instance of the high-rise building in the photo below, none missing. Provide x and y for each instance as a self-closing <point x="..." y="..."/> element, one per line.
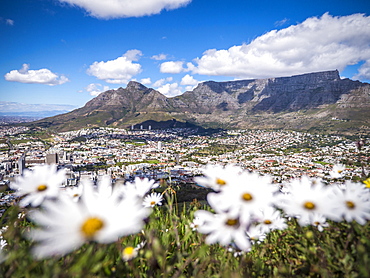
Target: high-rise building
<point x="52" y="158"/>
<point x="21" y="164"/>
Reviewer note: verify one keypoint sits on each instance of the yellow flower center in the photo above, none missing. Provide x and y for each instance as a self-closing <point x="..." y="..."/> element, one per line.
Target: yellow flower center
<point x="128" y="251"/>
<point x="367" y="182"/>
<point x="267" y="222"/>
<point x="42" y="187"/>
<point x="220" y="182"/>
<point x="247" y="197"/>
<point x="350" y="205"/>
<point x="309" y="205"/>
<point x="91" y="226"/>
<point x="152" y="203"/>
<point x="232" y="222"/>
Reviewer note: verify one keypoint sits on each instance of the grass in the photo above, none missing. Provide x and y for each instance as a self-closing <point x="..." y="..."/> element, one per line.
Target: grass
<point x="172" y="249"/>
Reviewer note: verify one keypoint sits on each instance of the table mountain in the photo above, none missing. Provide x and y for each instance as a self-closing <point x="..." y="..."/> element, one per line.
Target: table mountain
<point x="315" y="101"/>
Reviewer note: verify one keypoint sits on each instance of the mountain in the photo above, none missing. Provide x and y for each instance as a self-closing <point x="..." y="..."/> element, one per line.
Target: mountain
<point x="319" y="101"/>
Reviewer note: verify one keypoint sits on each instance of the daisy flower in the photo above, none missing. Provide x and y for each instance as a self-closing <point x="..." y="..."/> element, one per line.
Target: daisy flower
<point x="75" y="192"/>
<point x="138" y="188"/>
<point x="152" y="200"/>
<point x="270" y="219"/>
<point x="224" y="228"/>
<point x="217" y="176"/>
<point x="352" y="203"/>
<point x="40" y="184"/>
<point x="256" y="234"/>
<point x="129" y="253"/>
<point x="337" y="171"/>
<point x="65" y="225"/>
<point x="307" y="197"/>
<point x="319" y="221"/>
<point x="197" y="222"/>
<point x="248" y="193"/>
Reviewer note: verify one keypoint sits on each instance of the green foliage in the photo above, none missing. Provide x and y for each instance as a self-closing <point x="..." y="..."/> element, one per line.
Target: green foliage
<point x="172" y="249"/>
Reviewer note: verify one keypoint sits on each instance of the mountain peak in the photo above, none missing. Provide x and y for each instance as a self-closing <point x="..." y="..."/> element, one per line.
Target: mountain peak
<point x="295" y="102"/>
<point x="134" y="85"/>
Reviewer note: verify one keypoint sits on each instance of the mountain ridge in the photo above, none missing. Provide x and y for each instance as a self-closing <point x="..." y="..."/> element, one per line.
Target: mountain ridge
<point x="304" y="102"/>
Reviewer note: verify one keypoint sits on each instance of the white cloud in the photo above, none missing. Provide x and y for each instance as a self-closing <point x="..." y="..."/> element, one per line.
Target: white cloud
<point x="146" y="81"/>
<point x="96" y="89"/>
<point x="159" y="57"/>
<point x="41" y="76"/>
<point x="281" y="22"/>
<point x="172" y="67"/>
<point x="363" y="71"/>
<point x="117" y="71"/>
<point x="126" y="8"/>
<point x="160" y="82"/>
<point x="317" y="44"/>
<point x="133" y="55"/>
<point x="189" y="80"/>
<point x="9" y="22"/>
<point x="170" y="89"/>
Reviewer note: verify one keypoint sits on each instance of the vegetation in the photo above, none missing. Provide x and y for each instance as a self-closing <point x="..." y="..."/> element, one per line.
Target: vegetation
<point x="168" y="247"/>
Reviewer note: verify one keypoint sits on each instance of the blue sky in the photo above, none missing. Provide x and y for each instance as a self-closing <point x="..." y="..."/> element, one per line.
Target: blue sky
<point x="68" y="51"/>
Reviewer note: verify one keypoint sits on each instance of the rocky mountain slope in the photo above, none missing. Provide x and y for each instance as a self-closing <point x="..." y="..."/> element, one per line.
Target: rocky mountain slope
<point x="314" y="101"/>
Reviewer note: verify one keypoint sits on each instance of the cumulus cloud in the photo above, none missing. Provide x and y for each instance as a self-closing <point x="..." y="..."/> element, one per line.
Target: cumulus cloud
<point x="159" y="57"/>
<point x="172" y="67"/>
<point x="170" y="89"/>
<point x="117" y="71"/>
<point x="96" y="89"/>
<point x="317" y="44"/>
<point x="364" y="71"/>
<point x="160" y="82"/>
<point x="41" y="76"/>
<point x="126" y="8"/>
<point x="189" y="80"/>
<point x="146" y="81"/>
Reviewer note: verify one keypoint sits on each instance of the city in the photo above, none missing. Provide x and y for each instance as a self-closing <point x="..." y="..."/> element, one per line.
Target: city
<point x="178" y="154"/>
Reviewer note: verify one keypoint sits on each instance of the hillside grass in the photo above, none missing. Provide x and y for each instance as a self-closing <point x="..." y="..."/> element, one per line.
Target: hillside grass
<point x="170" y="248"/>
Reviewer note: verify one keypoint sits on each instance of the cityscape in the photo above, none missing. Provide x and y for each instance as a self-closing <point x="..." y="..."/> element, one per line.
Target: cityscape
<point x="178" y="154"/>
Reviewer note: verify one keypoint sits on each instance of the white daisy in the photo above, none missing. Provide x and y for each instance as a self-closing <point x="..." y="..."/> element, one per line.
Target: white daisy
<point x="217" y="176"/>
<point x="40" y="184"/>
<point x="352" y="203"/>
<point x="152" y="200"/>
<point x="319" y="221"/>
<point x="337" y="171"/>
<point x="270" y="219"/>
<point x="224" y="228"/>
<point x="307" y="197"/>
<point x="197" y="222"/>
<point x="138" y="188"/>
<point x="129" y="253"/>
<point x="248" y="193"/>
<point x="75" y="192"/>
<point x="256" y="234"/>
<point x="65" y="225"/>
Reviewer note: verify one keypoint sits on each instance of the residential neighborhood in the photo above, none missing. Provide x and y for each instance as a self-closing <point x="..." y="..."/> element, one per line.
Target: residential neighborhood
<point x="179" y="153"/>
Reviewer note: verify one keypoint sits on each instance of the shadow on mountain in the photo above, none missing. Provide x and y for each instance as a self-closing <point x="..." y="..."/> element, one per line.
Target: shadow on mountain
<point x="151" y="124"/>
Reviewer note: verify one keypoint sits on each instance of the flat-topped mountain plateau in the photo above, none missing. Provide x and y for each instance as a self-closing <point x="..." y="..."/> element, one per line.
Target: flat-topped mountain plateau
<point x="319" y="101"/>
